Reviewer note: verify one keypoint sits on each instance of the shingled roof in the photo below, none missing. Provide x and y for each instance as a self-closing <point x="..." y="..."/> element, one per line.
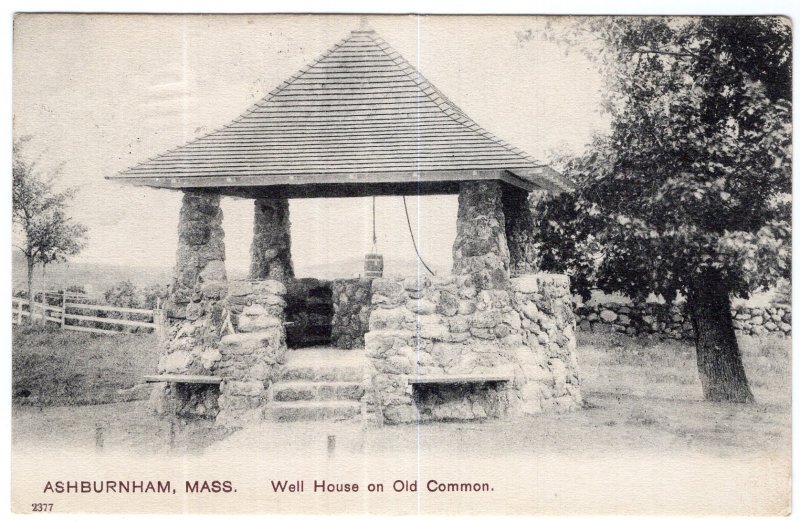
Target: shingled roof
<point x="359" y="114"/>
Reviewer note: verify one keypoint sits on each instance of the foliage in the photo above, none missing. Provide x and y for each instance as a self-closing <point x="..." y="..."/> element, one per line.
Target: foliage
<point x="123" y="294"/>
<point x="153" y="294"/>
<point x="783" y="293"/>
<point x="45" y="232"/>
<point x="695" y="173"/>
<point x="76" y="289"/>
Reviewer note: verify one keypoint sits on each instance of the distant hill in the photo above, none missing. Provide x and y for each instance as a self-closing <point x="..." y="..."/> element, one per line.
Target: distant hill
<point x="97" y="277"/>
<point x="354" y="266"/>
<point x="94" y="277"/>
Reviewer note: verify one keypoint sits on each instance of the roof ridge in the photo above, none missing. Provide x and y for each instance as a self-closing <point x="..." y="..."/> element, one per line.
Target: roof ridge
<point x="461" y="116"/>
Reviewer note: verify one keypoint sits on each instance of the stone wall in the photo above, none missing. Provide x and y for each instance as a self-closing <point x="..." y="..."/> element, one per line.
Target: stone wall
<point x="351" y="308"/>
<point x="270" y="252"/>
<point x="194" y="309"/>
<point x="309" y="309"/>
<point x="671" y="321"/>
<point x="251" y="357"/>
<point x="449" y="326"/>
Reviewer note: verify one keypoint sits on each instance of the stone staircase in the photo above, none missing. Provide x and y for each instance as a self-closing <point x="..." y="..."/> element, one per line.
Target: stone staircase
<point x="318" y="384"/>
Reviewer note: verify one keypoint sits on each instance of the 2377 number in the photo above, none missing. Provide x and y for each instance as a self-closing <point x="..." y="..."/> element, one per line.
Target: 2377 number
<point x="42" y="508"/>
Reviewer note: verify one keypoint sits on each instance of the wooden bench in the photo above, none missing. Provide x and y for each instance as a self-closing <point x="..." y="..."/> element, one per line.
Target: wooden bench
<point x="183" y="379"/>
<point x="457" y="379"/>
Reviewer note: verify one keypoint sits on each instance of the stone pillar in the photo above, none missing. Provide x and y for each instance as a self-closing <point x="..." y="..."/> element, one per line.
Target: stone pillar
<point x="270" y="253"/>
<point x="481" y="249"/>
<point x="524" y="257"/>
<point x="193" y="308"/>
<point x="200" y="278"/>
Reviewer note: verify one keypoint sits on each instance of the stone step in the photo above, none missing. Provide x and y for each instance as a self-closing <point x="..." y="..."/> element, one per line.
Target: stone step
<point x="316" y="391"/>
<point x="324" y="364"/>
<point x="322" y="373"/>
<point x="313" y="411"/>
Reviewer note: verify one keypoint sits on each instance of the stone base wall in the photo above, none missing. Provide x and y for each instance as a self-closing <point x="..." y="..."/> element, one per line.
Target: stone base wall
<point x="251" y="357"/>
<point x="460" y="401"/>
<point x="447" y="326"/>
<point x="671" y="321"/>
<point x="351" y="308"/>
<point x="309" y="309"/>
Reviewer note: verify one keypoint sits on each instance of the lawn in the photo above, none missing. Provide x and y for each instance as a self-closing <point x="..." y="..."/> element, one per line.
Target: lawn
<point x="639" y="394"/>
<point x="53" y="367"/>
<point x="644" y="432"/>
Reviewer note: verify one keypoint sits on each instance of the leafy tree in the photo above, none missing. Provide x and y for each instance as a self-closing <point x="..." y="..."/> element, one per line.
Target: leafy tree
<point x="123" y="294"/>
<point x="783" y="293"/>
<point x="689" y="190"/>
<point x="46" y="234"/>
<point x="152" y="295"/>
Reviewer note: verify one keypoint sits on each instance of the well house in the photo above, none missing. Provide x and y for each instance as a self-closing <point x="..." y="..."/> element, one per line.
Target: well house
<point x="493" y="339"/>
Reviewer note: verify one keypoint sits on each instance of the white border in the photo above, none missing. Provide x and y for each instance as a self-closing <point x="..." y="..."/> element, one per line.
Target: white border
<point x="674" y="7"/>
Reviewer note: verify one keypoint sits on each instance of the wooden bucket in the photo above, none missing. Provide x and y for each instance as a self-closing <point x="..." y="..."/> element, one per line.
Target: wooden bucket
<point x="373" y="266"/>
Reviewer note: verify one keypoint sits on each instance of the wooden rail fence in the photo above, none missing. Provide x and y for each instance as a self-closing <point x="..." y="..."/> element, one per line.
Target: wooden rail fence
<point x="69" y="313"/>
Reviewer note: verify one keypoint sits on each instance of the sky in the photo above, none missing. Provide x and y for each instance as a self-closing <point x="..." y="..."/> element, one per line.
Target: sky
<point x="100" y="93"/>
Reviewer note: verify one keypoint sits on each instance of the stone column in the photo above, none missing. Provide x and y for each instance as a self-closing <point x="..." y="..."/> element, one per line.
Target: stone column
<point x="481" y="249"/>
<point x="200" y="276"/>
<point x="194" y="308"/>
<point x="519" y="231"/>
<point x="270" y="253"/>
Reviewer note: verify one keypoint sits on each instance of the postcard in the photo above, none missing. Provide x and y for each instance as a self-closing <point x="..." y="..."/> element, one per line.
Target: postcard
<point x="401" y="264"/>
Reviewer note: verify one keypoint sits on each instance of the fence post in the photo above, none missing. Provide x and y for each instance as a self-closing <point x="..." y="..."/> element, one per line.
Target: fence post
<point x="160" y="320"/>
<point x="19" y="312"/>
<point x="63" y="308"/>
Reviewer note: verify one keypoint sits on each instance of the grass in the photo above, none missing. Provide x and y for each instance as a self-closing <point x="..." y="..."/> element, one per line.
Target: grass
<point x="53" y="367"/>
<point x="650" y="383"/>
<point x="647" y="367"/>
<point x="645" y="441"/>
<point x="640" y="395"/>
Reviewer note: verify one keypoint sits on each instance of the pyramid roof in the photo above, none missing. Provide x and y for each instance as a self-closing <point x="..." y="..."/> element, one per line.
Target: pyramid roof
<point x="359" y="120"/>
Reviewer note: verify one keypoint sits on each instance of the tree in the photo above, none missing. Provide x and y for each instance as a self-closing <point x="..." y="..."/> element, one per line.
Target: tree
<point x="46" y="234"/>
<point x="123" y="294"/>
<point x="689" y="190"/>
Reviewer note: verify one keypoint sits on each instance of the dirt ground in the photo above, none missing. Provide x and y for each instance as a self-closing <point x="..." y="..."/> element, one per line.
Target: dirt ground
<point x="639" y="395"/>
<point x="645" y="443"/>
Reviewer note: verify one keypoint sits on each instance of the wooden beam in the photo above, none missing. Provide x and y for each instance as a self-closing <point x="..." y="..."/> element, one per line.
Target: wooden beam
<point x="360" y="184"/>
<point x="183" y="379"/>
<point x="457" y="379"/>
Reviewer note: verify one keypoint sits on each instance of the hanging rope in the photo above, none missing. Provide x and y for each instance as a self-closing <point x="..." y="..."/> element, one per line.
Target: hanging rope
<point x="413" y="241"/>
<point x="374" y="235"/>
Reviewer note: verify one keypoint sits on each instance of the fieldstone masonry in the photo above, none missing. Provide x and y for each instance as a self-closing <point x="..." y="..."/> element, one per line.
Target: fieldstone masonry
<point x="351" y="309"/>
<point x="251" y="357"/>
<point x="270" y="252"/>
<point x="523" y="255"/>
<point x="194" y="308"/>
<point x="449" y="326"/>
<point x="480" y="248"/>
<point x="512" y="334"/>
<point x="671" y="321"/>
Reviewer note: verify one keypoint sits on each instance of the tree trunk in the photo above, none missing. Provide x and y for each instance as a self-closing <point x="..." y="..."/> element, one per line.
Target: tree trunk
<point x="30" y="289"/>
<point x="718" y="358"/>
<point x="44" y="295"/>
